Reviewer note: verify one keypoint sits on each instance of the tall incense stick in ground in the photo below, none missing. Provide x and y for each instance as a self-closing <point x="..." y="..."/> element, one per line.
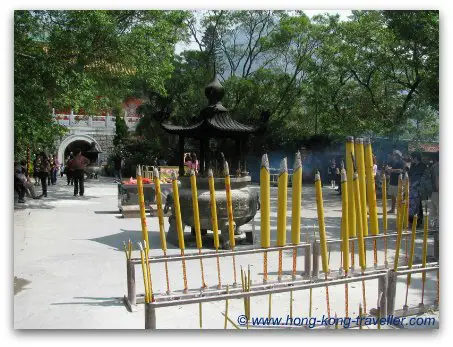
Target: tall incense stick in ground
<point x="215" y="228"/>
<point x="425" y="246"/>
<point x="371" y="195"/>
<point x="384" y="215"/>
<point x="265" y="199"/>
<point x="196" y="220"/>
<point x="141" y="202"/>
<point x="401" y="202"/>
<point x="179" y="227"/>
<point x="411" y="256"/>
<point x="406" y="214"/>
<point x="350" y="174"/>
<point x="146" y="275"/>
<point x="322" y="234"/>
<point x="281" y="212"/>
<point x="345" y="233"/>
<point x="351" y="203"/>
<point x="360" y="161"/>
<point x="231" y="224"/>
<point x="160" y="216"/>
<point x="296" y="207"/>
<point x="362" y="259"/>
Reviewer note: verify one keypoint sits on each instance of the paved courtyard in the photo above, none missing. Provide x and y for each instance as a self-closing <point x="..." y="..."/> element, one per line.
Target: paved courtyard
<point x="70" y="271"/>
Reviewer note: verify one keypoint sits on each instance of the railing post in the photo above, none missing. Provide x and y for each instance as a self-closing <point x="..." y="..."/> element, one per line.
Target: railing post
<point x="391" y="292"/>
<point x="131" y="288"/>
<point x="382" y="295"/>
<point x="150" y="317"/>
<point x="315" y="251"/>
<point x="307" y="261"/>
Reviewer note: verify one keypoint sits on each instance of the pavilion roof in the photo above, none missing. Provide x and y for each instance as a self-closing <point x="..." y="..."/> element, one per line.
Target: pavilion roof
<point x="219" y="125"/>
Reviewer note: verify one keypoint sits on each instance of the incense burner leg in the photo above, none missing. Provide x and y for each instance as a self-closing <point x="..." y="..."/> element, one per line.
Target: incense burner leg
<point x="172" y="234"/>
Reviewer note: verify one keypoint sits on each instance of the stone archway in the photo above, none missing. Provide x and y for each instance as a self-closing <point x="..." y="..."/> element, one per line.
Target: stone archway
<point x="71" y="139"/>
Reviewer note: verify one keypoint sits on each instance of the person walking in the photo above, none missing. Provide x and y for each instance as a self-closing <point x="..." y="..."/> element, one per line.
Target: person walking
<point x="43" y="172"/>
<point x="395" y="168"/>
<point x="78" y="165"/>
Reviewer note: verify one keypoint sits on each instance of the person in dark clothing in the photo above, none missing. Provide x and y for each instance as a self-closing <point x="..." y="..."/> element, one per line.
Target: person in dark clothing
<point x="416" y="172"/>
<point x="118" y="165"/>
<point x="19" y="186"/>
<point x="78" y="164"/>
<point x="338" y="176"/>
<point x="35" y="170"/>
<point x="331" y="171"/>
<point x="394" y="168"/>
<point x="43" y="172"/>
<point x="69" y="171"/>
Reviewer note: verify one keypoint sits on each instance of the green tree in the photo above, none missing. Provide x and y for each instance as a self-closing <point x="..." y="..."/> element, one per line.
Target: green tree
<point x="69" y="58"/>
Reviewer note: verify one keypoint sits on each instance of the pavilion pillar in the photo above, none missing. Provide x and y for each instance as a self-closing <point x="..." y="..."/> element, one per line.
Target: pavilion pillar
<point x="238" y="153"/>
<point x="181" y="155"/>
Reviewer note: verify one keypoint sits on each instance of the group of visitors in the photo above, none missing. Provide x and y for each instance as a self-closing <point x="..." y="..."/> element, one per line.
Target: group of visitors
<point x="191" y="162"/>
<point x="423" y="180"/>
<point x="45" y="171"/>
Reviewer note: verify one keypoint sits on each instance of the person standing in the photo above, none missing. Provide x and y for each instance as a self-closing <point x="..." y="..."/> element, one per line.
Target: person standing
<point x="43" y="172"/>
<point x="55" y="168"/>
<point x="36" y="164"/>
<point x="435" y="194"/>
<point x="78" y="165"/>
<point x="331" y="171"/>
<point x="118" y="166"/>
<point x="416" y="172"/>
<point x="394" y="169"/>
<point x="69" y="171"/>
<point x="194" y="165"/>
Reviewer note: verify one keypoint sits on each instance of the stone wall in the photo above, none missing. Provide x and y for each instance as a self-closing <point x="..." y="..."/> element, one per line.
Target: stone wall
<point x="106" y="144"/>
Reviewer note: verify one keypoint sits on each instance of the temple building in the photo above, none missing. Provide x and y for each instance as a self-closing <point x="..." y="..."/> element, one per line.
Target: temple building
<point x="84" y="130"/>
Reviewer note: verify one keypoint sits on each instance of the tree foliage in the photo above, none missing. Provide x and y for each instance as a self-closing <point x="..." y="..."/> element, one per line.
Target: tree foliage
<point x="68" y="59"/>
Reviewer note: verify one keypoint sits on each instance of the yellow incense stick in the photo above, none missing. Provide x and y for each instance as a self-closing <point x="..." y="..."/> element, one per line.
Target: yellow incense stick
<point x="177" y="211"/>
<point x="160" y="213"/>
<point x="141" y="201"/>
<point x="358" y="206"/>
<point x="215" y="228"/>
<point x="344" y="221"/>
<point x="411" y="256"/>
<point x="265" y="199"/>
<point x="400" y="219"/>
<point x="296" y="200"/>
<point x="360" y="158"/>
<point x="229" y="203"/>
<point x="384" y="214"/>
<point x="196" y="212"/>
<point x="282" y="202"/>
<point x="350" y="174"/>
<point x="322" y="226"/>
<point x="145" y="276"/>
<point x="371" y="187"/>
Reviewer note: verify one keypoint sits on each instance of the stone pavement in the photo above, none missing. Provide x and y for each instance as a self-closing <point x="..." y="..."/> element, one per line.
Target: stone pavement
<point x="70" y="273"/>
